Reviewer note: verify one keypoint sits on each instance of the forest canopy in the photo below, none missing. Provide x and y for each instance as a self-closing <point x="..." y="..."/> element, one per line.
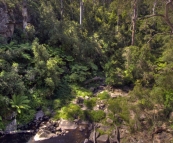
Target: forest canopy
<point x="48" y="46"/>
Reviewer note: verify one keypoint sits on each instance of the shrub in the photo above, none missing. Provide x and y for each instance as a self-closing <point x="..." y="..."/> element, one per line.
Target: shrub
<point x="79" y="73"/>
<point x="90" y="103"/>
<point x="57" y="103"/>
<point x="142" y="96"/>
<point x="80" y="91"/>
<point x="96" y="116"/>
<point x="72" y="111"/>
<point x="120" y="107"/>
<point x="134" y="125"/>
<point x="26" y="116"/>
<point x="2" y="126"/>
<point x="104" y="95"/>
<point x="114" y="106"/>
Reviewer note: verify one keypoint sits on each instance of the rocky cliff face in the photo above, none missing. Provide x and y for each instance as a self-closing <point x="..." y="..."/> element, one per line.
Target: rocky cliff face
<point x="6" y="21"/>
<point x="12" y="18"/>
<point x="6" y="28"/>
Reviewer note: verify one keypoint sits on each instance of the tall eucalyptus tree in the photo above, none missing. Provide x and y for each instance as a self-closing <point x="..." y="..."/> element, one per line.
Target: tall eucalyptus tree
<point x="81" y="10"/>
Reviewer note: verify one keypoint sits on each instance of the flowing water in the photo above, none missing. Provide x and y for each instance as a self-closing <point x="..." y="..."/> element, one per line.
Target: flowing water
<point x="74" y="136"/>
<point x="15" y="138"/>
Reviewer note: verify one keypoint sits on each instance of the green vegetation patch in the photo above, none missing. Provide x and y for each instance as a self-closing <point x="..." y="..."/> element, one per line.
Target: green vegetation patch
<point x="120" y="107"/>
<point x="97" y="115"/>
<point x="70" y="112"/>
<point x="80" y="91"/>
<point x="90" y="103"/>
<point x="103" y="95"/>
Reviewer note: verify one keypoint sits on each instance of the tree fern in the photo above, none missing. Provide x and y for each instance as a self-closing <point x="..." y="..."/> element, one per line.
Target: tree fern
<point x="19" y="102"/>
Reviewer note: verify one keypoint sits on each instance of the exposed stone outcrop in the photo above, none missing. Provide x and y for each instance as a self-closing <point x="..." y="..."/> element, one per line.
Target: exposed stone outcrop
<point x="43" y="134"/>
<point x="6" y="24"/>
<point x="103" y="139"/>
<point x="39" y="115"/>
<point x="65" y="125"/>
<point x="12" y="126"/>
<point x="12" y="18"/>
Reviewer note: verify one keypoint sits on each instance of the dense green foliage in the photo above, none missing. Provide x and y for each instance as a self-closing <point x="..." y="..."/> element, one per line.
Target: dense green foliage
<point x="96" y="116"/>
<point x="52" y="59"/>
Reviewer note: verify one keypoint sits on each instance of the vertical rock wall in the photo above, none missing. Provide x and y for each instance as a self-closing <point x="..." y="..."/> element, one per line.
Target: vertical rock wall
<point x="8" y="16"/>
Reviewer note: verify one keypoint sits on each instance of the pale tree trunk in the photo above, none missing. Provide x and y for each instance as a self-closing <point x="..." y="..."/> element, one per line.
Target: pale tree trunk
<point x="62" y="10"/>
<point x="81" y="11"/>
<point x="134" y="18"/>
<point x="25" y="15"/>
<point x="154" y="7"/>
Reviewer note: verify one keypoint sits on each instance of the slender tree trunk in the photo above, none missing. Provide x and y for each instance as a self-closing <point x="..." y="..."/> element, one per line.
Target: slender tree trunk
<point x="81" y="11"/>
<point x="25" y="15"/>
<point x="154" y="7"/>
<point x="61" y="10"/>
<point x="134" y="18"/>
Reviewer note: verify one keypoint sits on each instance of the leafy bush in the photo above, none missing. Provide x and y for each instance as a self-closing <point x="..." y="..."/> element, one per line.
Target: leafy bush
<point x="57" y="103"/>
<point x="26" y="116"/>
<point x="19" y="103"/>
<point x="2" y="126"/>
<point x="114" y="106"/>
<point x="134" y="125"/>
<point x="142" y="96"/>
<point x="4" y="104"/>
<point x="37" y="100"/>
<point x="90" y="103"/>
<point x="104" y="95"/>
<point x="96" y="116"/>
<point x="72" y="111"/>
<point x="113" y="69"/>
<point x="11" y="83"/>
<point x="79" y="73"/>
<point x="80" y="91"/>
<point x="120" y="107"/>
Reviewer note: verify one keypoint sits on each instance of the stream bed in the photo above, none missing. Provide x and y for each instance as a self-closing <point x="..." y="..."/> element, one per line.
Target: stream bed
<point x="73" y="136"/>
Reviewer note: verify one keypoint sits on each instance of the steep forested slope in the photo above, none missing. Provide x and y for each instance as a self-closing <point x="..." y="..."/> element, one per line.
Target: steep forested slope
<point x="49" y="48"/>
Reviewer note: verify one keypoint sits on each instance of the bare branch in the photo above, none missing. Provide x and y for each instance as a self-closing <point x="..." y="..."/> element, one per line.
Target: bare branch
<point x="164" y="16"/>
<point x="152" y="37"/>
<point x="167" y="20"/>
